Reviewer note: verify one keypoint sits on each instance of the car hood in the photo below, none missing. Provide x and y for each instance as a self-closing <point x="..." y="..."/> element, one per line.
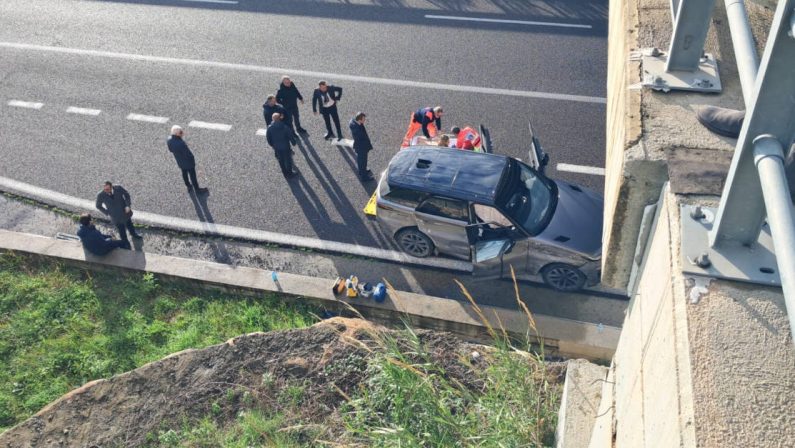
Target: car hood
<point x="577" y="222"/>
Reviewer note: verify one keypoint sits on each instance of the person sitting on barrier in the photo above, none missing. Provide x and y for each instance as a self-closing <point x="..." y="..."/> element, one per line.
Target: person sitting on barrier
<point x="95" y="241"/>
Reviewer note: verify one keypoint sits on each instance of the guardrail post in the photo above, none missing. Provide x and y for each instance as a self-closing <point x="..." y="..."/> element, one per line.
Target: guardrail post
<point x="685" y="66"/>
<point x="751" y="236"/>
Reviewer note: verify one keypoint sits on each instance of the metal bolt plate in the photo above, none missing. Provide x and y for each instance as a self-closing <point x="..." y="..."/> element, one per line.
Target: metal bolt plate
<point x="704" y="79"/>
<point x="731" y="261"/>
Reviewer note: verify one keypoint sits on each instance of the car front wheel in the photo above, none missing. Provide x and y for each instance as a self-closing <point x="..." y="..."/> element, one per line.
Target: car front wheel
<point x="563" y="277"/>
<point x="414" y="243"/>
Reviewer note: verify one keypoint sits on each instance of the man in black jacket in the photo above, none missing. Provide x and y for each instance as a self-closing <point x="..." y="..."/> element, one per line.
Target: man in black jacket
<point x="280" y="138"/>
<point x="327" y="96"/>
<point x="271" y="107"/>
<point x="114" y="202"/>
<point x="184" y="157"/>
<point x="361" y="144"/>
<point x="289" y="96"/>
<point x="95" y="241"/>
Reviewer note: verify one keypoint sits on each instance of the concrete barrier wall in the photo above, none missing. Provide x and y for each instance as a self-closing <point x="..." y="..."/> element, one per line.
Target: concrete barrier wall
<point x="560" y="336"/>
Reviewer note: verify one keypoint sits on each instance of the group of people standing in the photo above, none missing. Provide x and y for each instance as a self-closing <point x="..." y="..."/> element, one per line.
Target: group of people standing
<point x="283" y="118"/>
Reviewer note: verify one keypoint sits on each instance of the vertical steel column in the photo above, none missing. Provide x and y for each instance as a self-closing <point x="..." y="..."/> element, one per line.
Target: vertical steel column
<point x="771" y="111"/>
<point x="690" y="32"/>
<point x="769" y="160"/>
<point x="744" y="47"/>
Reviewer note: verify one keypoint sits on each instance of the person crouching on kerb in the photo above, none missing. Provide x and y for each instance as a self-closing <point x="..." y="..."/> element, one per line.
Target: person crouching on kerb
<point x="95" y="241"/>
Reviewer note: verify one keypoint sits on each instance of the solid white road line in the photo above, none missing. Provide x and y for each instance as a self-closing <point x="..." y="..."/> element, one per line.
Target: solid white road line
<point x="343" y="142"/>
<point x="261" y="132"/>
<point x="513" y="22"/>
<point x="580" y="169"/>
<point x="205" y="125"/>
<point x="25" y="104"/>
<point x="82" y="111"/>
<point x="307" y="73"/>
<point x="222" y="2"/>
<point x="147" y="118"/>
<point x="263" y="236"/>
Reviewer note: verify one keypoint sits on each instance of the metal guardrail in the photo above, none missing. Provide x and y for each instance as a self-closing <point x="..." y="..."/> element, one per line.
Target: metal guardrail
<point x="751" y="235"/>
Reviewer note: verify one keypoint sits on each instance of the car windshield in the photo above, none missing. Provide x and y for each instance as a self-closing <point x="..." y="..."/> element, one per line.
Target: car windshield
<point x="528" y="198"/>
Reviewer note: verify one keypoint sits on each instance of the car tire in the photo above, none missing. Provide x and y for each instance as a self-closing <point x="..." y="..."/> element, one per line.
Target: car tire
<point x="414" y="243"/>
<point x="563" y="277"/>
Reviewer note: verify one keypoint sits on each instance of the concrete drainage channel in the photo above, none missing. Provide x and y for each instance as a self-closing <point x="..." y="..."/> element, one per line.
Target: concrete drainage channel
<point x="561" y="337"/>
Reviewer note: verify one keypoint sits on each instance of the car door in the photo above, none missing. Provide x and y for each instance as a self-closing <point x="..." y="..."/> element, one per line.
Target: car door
<point x="445" y="220"/>
<point x="496" y="244"/>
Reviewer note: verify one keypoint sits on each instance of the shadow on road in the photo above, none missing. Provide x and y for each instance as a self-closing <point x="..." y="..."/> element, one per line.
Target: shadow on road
<point x="220" y="253"/>
<point x="592" y="13"/>
<point x="353" y="229"/>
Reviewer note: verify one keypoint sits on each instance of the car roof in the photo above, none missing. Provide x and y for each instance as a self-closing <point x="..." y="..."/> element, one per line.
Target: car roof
<point x="458" y="174"/>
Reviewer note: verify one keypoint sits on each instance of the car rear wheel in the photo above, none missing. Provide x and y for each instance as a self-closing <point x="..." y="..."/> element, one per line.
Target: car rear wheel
<point x="563" y="277"/>
<point x="414" y="243"/>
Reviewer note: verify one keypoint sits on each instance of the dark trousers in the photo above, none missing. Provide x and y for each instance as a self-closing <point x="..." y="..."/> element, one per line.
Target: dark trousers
<point x="192" y="173"/>
<point x="331" y="114"/>
<point x="295" y="116"/>
<point x="123" y="228"/>
<point x="361" y="162"/>
<point x="115" y="244"/>
<point x="285" y="161"/>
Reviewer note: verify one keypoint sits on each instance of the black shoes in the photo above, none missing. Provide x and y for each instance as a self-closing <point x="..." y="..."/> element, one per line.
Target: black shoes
<point x="291" y="174"/>
<point x="328" y="136"/>
<point x="722" y="121"/>
<point x="202" y="190"/>
<point x="367" y="176"/>
<point x="302" y="131"/>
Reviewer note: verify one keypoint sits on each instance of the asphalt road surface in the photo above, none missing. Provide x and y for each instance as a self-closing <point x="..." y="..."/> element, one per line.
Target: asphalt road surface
<point x="90" y="64"/>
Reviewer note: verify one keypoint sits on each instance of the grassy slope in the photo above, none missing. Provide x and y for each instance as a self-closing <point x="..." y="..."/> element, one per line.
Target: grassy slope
<point x="61" y="327"/>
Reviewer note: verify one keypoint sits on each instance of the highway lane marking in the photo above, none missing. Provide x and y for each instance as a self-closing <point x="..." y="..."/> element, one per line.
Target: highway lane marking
<point x="261" y="132"/>
<point x="508" y="21"/>
<point x="582" y="169"/>
<point x="308" y="73"/>
<point x="25" y="104"/>
<point x="222" y="2"/>
<point x="83" y="111"/>
<point x="206" y="125"/>
<point x="147" y="118"/>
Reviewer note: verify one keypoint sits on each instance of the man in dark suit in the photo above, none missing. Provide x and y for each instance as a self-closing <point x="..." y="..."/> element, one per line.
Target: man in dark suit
<point x="327" y="96"/>
<point x="289" y="96"/>
<point x="281" y="138"/>
<point x="184" y="157"/>
<point x="115" y="202"/>
<point x="95" y="241"/>
<point x="361" y="144"/>
<point x="271" y="107"/>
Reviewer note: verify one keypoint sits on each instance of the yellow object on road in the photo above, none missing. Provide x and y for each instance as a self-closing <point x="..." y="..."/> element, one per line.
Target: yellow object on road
<point x="369" y="209"/>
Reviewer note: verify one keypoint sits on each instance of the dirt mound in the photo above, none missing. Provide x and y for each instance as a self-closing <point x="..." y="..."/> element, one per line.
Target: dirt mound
<point x="328" y="360"/>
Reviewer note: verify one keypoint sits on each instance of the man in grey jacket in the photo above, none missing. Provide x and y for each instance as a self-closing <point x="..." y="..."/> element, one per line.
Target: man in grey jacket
<point x="114" y="202"/>
<point x="184" y="157"/>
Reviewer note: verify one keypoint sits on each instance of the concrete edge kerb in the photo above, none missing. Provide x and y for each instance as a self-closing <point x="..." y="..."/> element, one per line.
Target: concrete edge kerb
<point x="221" y="230"/>
<point x="572" y="338"/>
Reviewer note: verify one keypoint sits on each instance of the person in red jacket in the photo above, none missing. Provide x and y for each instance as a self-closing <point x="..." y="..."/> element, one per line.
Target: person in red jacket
<point x="429" y="119"/>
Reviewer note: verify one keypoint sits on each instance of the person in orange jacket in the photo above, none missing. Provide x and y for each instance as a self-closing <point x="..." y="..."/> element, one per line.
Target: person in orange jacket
<point x="429" y="119"/>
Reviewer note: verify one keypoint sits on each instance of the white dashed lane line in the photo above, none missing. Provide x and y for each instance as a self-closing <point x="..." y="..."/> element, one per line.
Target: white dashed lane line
<point x="507" y="21"/>
<point x="206" y="125"/>
<point x="25" y="104"/>
<point x="83" y="111"/>
<point x="596" y="171"/>
<point x="147" y="118"/>
<point x="261" y="132"/>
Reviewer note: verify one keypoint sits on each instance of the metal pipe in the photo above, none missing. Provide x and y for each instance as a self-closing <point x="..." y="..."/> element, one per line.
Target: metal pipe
<point x="769" y="161"/>
<point x="744" y="47"/>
